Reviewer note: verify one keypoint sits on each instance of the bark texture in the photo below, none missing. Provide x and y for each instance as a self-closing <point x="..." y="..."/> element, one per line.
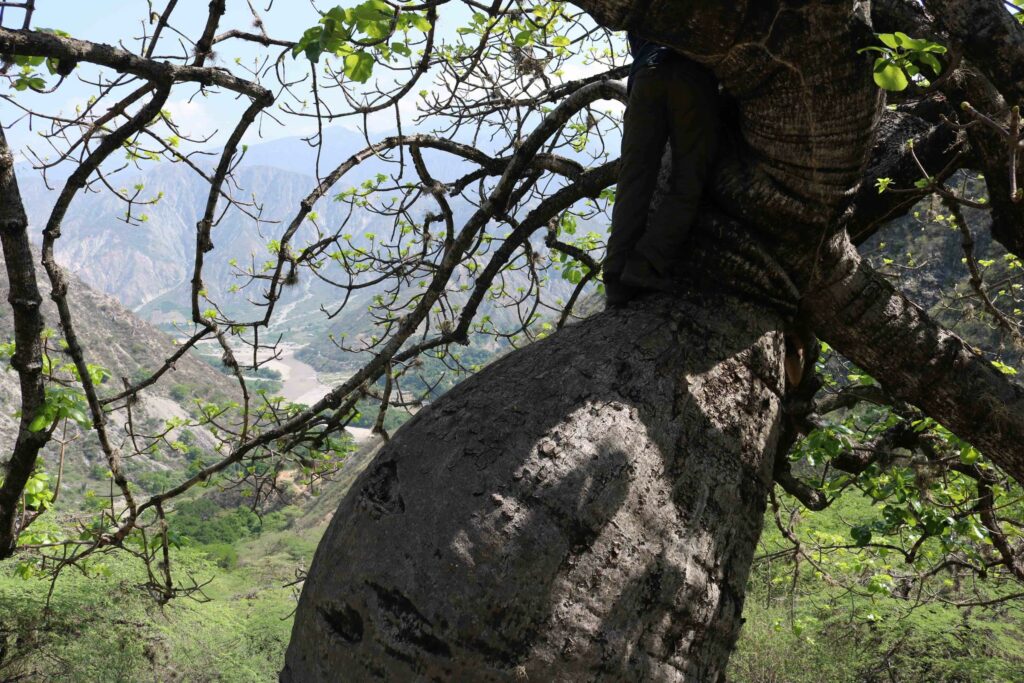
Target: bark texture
<point x="806" y="100"/>
<point x="585" y="509"/>
<point x="991" y="79"/>
<point x="990" y="37"/>
<point x="25" y="302"/>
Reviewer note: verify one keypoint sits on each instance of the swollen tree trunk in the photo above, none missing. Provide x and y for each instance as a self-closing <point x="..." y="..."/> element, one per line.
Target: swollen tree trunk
<point x="584" y="509"/>
<point x="587" y="508"/>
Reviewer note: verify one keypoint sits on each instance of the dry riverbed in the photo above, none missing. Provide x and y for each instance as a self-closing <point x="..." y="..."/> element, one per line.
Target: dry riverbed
<point x="300" y="383"/>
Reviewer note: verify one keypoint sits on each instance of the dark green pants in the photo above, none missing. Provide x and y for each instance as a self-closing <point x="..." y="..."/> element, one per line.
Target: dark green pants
<point x="675" y="102"/>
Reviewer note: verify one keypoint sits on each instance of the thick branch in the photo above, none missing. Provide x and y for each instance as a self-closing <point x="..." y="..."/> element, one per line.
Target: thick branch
<point x="806" y="100"/>
<point x="889" y="16"/>
<point x="989" y="37"/>
<point x="810" y="497"/>
<point x="41" y="44"/>
<point x="991" y="155"/>
<point x="986" y="509"/>
<point x="867" y="320"/>
<point x="855" y="461"/>
<point x="205" y="43"/>
<point x="25" y="301"/>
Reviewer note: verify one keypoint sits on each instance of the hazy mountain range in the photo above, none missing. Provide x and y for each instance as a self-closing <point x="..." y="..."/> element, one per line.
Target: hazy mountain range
<point x="148" y="266"/>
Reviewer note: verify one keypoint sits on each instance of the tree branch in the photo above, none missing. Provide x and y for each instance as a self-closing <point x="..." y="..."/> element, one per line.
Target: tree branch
<point x="989" y="37"/>
<point x="25" y="301"/>
<point x="936" y="148"/>
<point x="860" y="314"/>
<point x="37" y="43"/>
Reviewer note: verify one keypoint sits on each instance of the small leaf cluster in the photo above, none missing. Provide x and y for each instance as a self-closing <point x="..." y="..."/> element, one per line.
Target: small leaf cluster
<point x="61" y="399"/>
<point x="61" y="403"/>
<point x="361" y="35"/>
<point x="901" y="59"/>
<point x="28" y="78"/>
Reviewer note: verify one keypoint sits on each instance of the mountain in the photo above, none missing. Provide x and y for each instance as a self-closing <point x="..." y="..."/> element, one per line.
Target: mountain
<point x="148" y="266"/>
<point x="150" y="262"/>
<point x="127" y="347"/>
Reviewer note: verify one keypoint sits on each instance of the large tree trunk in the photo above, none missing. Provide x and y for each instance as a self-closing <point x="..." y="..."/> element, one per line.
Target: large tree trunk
<point x="585" y="509"/>
<point x="588" y="508"/>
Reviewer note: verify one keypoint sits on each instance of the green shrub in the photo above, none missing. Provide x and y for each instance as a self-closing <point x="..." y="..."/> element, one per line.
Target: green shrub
<point x="224" y="555"/>
<point x="203" y="522"/>
<point x="157" y="480"/>
<point x="103" y="627"/>
<point x="181" y="392"/>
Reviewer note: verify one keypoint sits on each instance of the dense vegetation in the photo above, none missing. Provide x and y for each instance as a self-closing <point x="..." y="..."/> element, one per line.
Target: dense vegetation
<point x="828" y="619"/>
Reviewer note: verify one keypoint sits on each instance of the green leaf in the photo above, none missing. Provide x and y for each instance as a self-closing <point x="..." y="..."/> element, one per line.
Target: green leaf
<point x="420" y="22"/>
<point x="889" y="77"/>
<point x="1004" y="368"/>
<point x="372" y="10"/>
<point x="861" y="535"/>
<point x="931" y="62"/>
<point x="79" y="417"/>
<point x="313" y="52"/>
<point x="339" y="14"/>
<point x="309" y="43"/>
<point x="523" y="38"/>
<point x="909" y="43"/>
<point x="889" y="40"/>
<point x="359" y="66"/>
<point x="41" y="422"/>
<point x="969" y="455"/>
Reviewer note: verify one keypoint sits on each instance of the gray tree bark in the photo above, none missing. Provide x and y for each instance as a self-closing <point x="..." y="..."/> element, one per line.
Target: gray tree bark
<point x="585" y="509"/>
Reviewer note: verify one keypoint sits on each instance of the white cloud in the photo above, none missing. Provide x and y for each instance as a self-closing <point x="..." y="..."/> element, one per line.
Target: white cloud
<point x="192" y="117"/>
<point x="384" y="120"/>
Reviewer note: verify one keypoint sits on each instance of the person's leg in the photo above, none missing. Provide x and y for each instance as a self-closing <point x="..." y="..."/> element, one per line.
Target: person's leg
<point x="645" y="131"/>
<point x="693" y="114"/>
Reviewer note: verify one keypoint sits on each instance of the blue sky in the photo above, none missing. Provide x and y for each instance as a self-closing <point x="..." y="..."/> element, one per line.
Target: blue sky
<point x="113" y="21"/>
<point x="123" y="21"/>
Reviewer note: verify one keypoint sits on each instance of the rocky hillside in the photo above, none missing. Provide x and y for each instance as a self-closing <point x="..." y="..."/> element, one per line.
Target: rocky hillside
<point x="129" y="348"/>
<point x="923" y="254"/>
